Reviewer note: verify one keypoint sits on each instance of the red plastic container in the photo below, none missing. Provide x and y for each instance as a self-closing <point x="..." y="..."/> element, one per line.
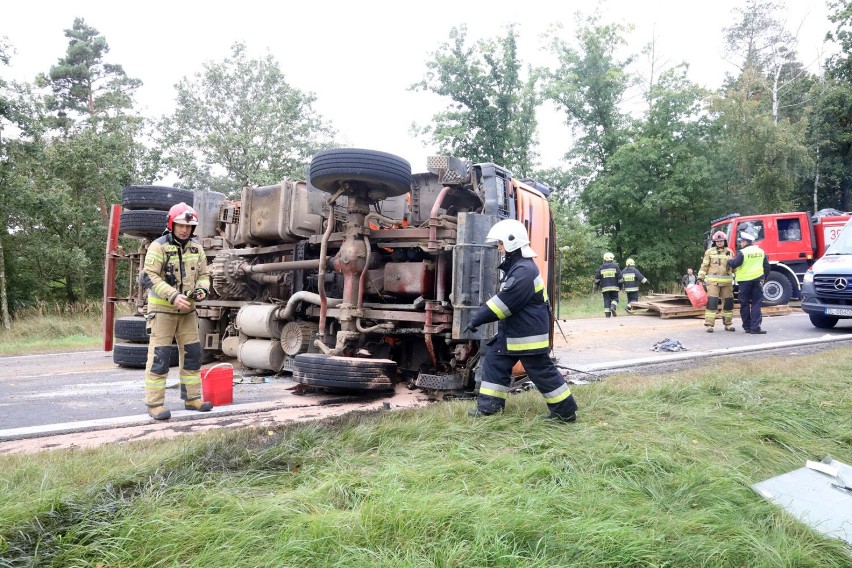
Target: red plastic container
<point x="697" y="295"/>
<point x="217" y="384"/>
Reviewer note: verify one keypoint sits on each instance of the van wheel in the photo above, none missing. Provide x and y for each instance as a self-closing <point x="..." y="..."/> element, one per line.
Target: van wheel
<point x="777" y="290"/>
<point x="384" y="175"/>
<point x="823" y="322"/>
<point x="344" y="373"/>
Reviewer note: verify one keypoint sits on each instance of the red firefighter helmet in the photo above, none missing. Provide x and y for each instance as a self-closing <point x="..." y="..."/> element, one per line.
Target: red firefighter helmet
<point x="720" y="236"/>
<point x="182" y="214"/>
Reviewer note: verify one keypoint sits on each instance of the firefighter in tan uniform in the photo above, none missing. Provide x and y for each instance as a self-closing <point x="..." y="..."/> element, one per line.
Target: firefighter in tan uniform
<point x="175" y="273"/>
<point x="719" y="278"/>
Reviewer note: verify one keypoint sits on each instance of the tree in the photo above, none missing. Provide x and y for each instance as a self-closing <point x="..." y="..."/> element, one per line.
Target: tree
<point x="492" y="114"/>
<point x="77" y="148"/>
<point x="4" y="111"/>
<point x="657" y="190"/>
<point x="589" y="84"/>
<point x="761" y="110"/>
<point x="831" y="120"/>
<point x="239" y="123"/>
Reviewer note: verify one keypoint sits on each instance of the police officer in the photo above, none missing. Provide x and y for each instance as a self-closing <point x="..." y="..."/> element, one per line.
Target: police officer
<point x="632" y="278"/>
<point x="175" y="273"/>
<point x="752" y="268"/>
<point x="719" y="279"/>
<point x="523" y="332"/>
<point x="608" y="280"/>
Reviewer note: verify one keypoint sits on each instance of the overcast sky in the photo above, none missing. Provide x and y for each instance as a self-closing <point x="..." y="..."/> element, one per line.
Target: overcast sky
<point x="360" y="57"/>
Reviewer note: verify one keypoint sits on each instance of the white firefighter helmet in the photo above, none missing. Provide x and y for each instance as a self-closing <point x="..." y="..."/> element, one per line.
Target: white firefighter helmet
<point x="608" y="257"/>
<point x="513" y="235"/>
<point x="630" y="262"/>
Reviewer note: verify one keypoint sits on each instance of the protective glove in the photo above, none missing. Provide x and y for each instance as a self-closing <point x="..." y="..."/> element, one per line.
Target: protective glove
<point x="199" y="294"/>
<point x="471" y="328"/>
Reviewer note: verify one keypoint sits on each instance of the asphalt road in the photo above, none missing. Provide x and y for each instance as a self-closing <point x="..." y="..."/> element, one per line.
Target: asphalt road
<point x="44" y="395"/>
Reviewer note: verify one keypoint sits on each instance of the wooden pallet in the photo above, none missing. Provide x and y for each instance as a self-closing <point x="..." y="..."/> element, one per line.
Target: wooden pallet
<point x="678" y="306"/>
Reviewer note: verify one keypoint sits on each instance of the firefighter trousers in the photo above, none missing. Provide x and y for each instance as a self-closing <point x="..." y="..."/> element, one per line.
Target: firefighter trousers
<point x="719" y="295"/>
<point x="540" y="369"/>
<point x="163" y="329"/>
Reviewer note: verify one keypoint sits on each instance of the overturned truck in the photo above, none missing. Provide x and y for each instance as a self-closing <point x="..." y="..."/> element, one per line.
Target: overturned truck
<point x="359" y="278"/>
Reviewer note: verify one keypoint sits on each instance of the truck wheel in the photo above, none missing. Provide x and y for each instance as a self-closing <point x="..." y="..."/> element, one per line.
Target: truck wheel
<point x="777" y="290"/>
<point x="385" y="175"/>
<point x="131" y="328"/>
<point x="154" y="197"/>
<point x="135" y="355"/>
<point x="823" y="322"/>
<point x="143" y="224"/>
<point x="348" y="373"/>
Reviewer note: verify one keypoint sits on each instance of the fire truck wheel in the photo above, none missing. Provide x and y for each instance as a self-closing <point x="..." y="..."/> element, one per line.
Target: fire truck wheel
<point x="777" y="290"/>
<point x="131" y="328"/>
<point x="384" y="175"/>
<point x="135" y="355"/>
<point x="350" y="373"/>
<point x="154" y="197"/>
<point x="143" y="224"/>
<point x="823" y="322"/>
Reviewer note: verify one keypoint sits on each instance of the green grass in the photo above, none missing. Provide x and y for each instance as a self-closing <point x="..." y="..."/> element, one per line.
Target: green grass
<point x="50" y="328"/>
<point x="657" y="472"/>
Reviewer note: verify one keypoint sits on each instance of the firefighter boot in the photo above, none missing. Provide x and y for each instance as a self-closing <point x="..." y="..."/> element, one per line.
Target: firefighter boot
<point x="155" y="400"/>
<point x="614" y="309"/>
<point x="730" y="328"/>
<point x="191" y="395"/>
<point x="709" y="328"/>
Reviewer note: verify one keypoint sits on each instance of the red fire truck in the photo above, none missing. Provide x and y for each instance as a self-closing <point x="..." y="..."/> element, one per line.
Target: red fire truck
<point x="792" y="242"/>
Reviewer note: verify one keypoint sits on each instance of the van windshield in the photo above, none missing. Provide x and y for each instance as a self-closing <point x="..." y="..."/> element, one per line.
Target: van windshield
<point x="843" y="243"/>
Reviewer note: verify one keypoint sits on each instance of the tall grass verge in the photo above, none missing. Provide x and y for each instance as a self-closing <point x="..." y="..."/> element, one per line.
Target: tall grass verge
<point x="657" y="472"/>
<point x="49" y="326"/>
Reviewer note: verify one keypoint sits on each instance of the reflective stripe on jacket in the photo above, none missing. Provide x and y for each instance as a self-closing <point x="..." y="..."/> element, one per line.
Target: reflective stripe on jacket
<point x="750" y="264"/>
<point x="608" y="277"/>
<point x="171" y="269"/>
<point x="632" y="278"/>
<point x="714" y="267"/>
<point x="520" y="307"/>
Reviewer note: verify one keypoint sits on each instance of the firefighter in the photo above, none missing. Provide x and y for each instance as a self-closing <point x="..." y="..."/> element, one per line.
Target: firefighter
<point x="175" y="273"/>
<point x="523" y="332"/>
<point x="631" y="278"/>
<point x="752" y="267"/>
<point x="609" y="281"/>
<point x="718" y="278"/>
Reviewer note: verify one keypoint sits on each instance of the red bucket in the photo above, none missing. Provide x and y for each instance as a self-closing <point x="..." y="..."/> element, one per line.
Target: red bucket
<point x="217" y="384"/>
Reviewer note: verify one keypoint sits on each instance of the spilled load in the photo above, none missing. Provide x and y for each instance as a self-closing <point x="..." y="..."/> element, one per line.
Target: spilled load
<point x="358" y="278"/>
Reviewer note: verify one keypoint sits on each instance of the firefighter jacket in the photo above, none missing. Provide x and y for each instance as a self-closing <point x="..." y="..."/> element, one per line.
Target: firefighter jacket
<point x="750" y="264"/>
<point x="608" y="277"/>
<point x="632" y="278"/>
<point x="171" y="269"/>
<point x="714" y="267"/>
<point x="521" y="308"/>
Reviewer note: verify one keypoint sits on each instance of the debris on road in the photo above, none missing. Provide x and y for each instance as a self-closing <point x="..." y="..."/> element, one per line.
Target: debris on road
<point x="670" y="345"/>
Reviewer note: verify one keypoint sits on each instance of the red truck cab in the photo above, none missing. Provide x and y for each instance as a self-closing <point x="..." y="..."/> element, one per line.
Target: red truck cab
<point x="792" y="242"/>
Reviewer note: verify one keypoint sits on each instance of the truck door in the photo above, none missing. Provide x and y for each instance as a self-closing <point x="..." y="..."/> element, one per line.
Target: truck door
<point x="793" y="239"/>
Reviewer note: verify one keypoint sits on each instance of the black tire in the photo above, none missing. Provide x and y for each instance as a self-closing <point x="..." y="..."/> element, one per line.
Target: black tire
<point x="131" y="328"/>
<point x="135" y="355"/>
<point x="349" y="373"/>
<point x="823" y="322"/>
<point x="777" y="290"/>
<point x="143" y="224"/>
<point x="385" y="175"/>
<point x="334" y="384"/>
<point x="154" y="197"/>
